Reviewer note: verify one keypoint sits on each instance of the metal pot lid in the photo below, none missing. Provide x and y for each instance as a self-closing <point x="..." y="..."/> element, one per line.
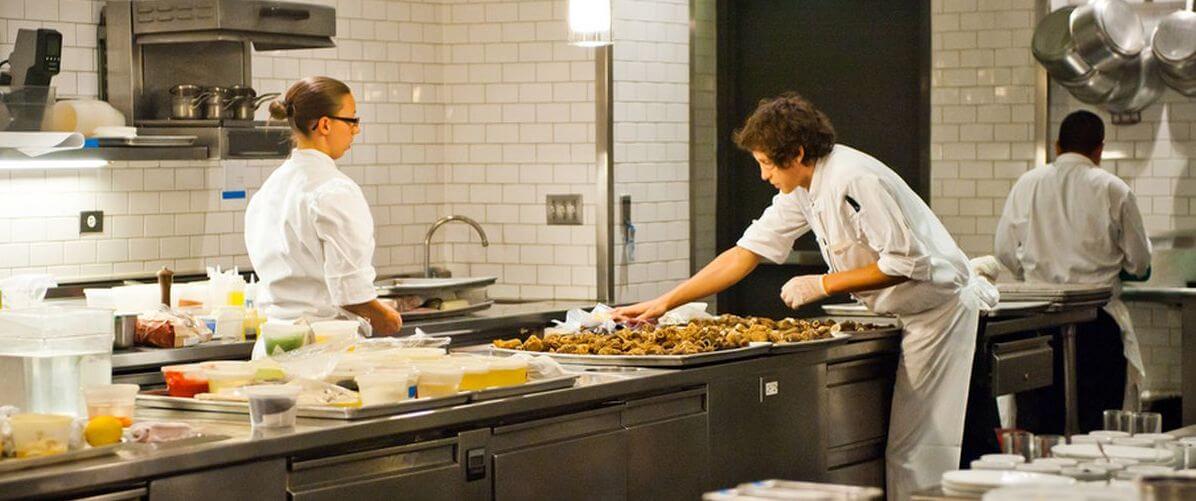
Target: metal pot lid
<point x="1175" y="38"/>
<point x="1052" y="37"/>
<point x="1120" y="26"/>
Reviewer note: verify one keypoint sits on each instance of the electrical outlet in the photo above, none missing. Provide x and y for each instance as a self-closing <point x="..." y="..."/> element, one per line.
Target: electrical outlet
<point x="564" y="209"/>
<point x="91" y="222"/>
<point x="772" y="388"/>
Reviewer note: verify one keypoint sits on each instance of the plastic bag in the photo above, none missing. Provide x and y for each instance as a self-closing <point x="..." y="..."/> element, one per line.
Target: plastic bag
<point x="598" y="319"/>
<point x="322" y="393"/>
<point x="540" y="366"/>
<point x="164" y="327"/>
<point x="24" y="291"/>
<point x="420" y="339"/>
<point x="314" y="361"/>
<point x="685" y="314"/>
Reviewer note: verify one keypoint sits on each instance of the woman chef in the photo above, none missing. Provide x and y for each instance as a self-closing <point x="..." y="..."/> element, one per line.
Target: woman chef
<point x="309" y="231"/>
<point x="881" y="243"/>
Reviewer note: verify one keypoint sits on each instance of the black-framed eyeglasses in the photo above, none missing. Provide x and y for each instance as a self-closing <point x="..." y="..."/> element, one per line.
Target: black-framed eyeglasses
<point x="352" y="121"/>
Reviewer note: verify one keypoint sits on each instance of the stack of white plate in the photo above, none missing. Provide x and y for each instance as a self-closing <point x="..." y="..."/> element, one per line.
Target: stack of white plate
<point x="974" y="483"/>
<point x="1143" y="455"/>
<point x="1063" y="493"/>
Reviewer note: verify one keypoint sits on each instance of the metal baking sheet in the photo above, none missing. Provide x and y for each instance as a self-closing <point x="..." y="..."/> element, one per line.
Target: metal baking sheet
<point x="651" y="360"/>
<point x="159" y="400"/>
<point x="147" y="141"/>
<point x="429" y="286"/>
<point x="8" y="465"/>
<point x="532" y="386"/>
<point x="836" y="338"/>
<point x="432" y="315"/>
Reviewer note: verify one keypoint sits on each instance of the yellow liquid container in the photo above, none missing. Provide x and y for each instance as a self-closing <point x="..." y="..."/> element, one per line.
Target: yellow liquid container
<point x="508" y="371"/>
<point x="476" y="373"/>
<point x="36" y="435"/>
<point x="236" y="298"/>
<point x="438" y="380"/>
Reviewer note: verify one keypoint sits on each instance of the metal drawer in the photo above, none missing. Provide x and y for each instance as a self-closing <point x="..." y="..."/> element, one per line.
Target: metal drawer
<point x="1022" y="365"/>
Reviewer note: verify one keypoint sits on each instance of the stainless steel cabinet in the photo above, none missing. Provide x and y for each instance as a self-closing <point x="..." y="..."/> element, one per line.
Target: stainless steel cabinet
<point x="859" y="393"/>
<point x="260" y="481"/>
<point x="424" y="470"/>
<point x="669" y="451"/>
<point x="576" y="456"/>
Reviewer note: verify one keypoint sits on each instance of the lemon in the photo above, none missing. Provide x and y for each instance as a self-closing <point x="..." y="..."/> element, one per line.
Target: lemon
<point x="102" y="430"/>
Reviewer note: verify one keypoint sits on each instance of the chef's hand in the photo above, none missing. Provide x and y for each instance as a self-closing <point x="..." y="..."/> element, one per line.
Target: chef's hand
<point x="803" y="289"/>
<point x="647" y="311"/>
<point x="987" y="267"/>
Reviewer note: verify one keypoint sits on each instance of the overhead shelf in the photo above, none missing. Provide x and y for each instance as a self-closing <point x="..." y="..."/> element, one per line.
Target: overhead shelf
<point x="116" y="153"/>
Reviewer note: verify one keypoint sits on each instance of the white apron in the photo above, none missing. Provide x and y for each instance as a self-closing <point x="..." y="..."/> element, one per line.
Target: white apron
<point x="1135" y="372"/>
<point x="931" y="392"/>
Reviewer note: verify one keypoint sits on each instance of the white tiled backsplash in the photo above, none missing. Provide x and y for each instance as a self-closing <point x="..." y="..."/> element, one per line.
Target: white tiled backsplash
<point x="982" y="139"/>
<point x="477" y="108"/>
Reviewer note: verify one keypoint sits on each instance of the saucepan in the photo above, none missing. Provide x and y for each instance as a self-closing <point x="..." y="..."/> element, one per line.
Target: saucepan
<point x="1108" y="34"/>
<point x="1138" y="85"/>
<point x="186" y="101"/>
<point x="246" y="102"/>
<point x="1174" y="46"/>
<point x="1054" y="48"/>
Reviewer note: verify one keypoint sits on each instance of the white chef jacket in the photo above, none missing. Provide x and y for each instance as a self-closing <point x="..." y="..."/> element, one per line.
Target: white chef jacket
<point x="310" y="237"/>
<point x="1072" y="223"/>
<point x="862" y="213"/>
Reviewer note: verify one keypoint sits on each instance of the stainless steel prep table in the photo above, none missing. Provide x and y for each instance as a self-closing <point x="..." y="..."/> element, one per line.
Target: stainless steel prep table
<point x="1014" y="318"/>
<point x="749" y="434"/>
<point x="1185" y="299"/>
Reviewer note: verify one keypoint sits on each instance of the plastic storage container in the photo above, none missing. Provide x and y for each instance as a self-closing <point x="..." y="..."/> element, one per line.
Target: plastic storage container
<point x="417" y="354"/>
<point x="273" y="405"/>
<point x="230" y="323"/>
<point x="285" y="337"/>
<point x="226" y="379"/>
<point x="508" y="371"/>
<point x="185" y="380"/>
<point x="334" y="329"/>
<point x="385" y="386"/>
<point x="476" y="373"/>
<point x="116" y="400"/>
<point x="438" y="379"/>
<point x="40" y="434"/>
<point x="48" y="353"/>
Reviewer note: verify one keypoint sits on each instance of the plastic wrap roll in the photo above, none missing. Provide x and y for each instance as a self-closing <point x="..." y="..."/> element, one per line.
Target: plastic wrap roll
<point x="84" y="115"/>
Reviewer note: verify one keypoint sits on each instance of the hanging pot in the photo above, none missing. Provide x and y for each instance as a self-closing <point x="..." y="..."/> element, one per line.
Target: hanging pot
<point x="1052" y="46"/>
<point x="1138" y="86"/>
<point x="1174" y="46"/>
<point x="1185" y="87"/>
<point x="1108" y="34"/>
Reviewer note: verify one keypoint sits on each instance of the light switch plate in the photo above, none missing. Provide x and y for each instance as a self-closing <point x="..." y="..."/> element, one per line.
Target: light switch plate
<point x="564" y="209"/>
<point x="91" y="222"/>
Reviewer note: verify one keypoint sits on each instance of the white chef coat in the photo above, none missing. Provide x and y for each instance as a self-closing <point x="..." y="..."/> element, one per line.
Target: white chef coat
<point x="863" y="213"/>
<point x="1074" y="223"/>
<point x="310" y="237"/>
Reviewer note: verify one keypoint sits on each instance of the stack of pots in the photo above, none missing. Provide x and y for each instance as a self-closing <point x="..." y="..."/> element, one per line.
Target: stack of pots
<point x="1174" y="46"/>
<point x="1098" y="53"/>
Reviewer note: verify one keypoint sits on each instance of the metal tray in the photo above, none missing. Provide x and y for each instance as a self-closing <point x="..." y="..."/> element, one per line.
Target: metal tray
<point x="157" y="399"/>
<point x="651" y="360"/>
<point x="147" y="141"/>
<point x="533" y="386"/>
<point x="432" y="315"/>
<point x="835" y="339"/>
<point x="8" y="465"/>
<point x="429" y="286"/>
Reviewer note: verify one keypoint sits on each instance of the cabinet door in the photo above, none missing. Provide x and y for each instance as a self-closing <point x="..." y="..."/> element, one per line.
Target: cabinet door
<point x="261" y="480"/>
<point x="669" y="449"/>
<point x="579" y="469"/>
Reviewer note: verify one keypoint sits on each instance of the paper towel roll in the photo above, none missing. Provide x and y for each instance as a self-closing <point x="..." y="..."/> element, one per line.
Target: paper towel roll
<point x="84" y="115"/>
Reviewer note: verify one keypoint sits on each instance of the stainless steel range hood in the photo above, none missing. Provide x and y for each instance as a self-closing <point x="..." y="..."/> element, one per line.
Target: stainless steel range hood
<point x="269" y="25"/>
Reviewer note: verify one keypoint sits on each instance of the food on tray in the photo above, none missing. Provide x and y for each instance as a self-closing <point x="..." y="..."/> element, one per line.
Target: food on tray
<point x="185" y="380"/>
<point x="103" y="430"/>
<point x="168" y="328"/>
<point x="111" y="400"/>
<point x="724" y="332"/>
<point x="36" y="435"/>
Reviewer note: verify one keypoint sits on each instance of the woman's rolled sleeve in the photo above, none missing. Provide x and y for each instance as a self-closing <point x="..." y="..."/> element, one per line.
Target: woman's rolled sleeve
<point x="346" y="231"/>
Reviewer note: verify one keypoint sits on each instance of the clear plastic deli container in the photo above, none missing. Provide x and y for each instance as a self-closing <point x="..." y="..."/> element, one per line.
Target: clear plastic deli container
<point x="49" y="353"/>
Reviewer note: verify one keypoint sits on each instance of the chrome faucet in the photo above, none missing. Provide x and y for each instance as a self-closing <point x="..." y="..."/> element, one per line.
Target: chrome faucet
<point x="432" y="231"/>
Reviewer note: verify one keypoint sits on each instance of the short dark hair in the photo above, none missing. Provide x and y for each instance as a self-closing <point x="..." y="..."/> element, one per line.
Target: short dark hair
<point x="1082" y="132"/>
<point x="783" y="125"/>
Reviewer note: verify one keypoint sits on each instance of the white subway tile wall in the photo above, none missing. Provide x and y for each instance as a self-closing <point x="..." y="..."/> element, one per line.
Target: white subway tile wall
<point x="982" y="139"/>
<point x="651" y="111"/>
<point x="477" y="108"/>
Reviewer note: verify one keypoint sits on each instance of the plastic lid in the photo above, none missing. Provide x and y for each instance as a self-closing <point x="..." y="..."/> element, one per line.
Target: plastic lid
<point x="472" y="365"/>
<point x="335" y="326"/>
<point x="182" y="368"/>
<point x="47" y="322"/>
<point x="440" y="372"/>
<point x="419" y="353"/>
<point x="271" y="390"/>
<point x="385" y="376"/>
<point x="41" y="419"/>
<point x="507" y="363"/>
<point x="106" y="392"/>
<point x="232" y="373"/>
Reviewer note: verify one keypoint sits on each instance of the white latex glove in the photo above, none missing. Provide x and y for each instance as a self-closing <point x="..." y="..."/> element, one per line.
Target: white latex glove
<point x="803" y="289"/>
<point x="987" y="267"/>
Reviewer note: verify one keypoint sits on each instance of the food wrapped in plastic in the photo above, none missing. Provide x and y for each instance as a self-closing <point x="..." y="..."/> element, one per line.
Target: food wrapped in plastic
<point x="165" y="327"/>
<point x="419" y="339"/>
<point x="314" y="361"/>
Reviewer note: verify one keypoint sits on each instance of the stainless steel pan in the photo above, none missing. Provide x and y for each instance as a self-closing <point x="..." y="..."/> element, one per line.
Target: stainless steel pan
<point x="1174" y="46"/>
<point x="1139" y="85"/>
<point x="1108" y="34"/>
<point x="1053" y="47"/>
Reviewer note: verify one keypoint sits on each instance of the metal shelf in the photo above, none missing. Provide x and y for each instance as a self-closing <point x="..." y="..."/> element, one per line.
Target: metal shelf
<point x="117" y="153"/>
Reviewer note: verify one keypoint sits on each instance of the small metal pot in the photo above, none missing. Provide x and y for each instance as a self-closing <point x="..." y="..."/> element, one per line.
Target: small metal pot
<point x="124" y="330"/>
<point x="1053" y="48"/>
<point x="1108" y="34"/>
<point x="246" y="103"/>
<point x="217" y="105"/>
<point x="1185" y="87"/>
<point x="1174" y="45"/>
<point x="186" y="101"/>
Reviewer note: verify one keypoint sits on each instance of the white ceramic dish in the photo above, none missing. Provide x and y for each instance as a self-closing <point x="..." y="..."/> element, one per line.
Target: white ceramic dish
<point x="1090" y="451"/>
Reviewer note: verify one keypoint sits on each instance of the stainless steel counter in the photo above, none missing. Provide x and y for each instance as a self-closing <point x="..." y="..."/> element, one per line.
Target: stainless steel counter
<point x="1185" y="299"/>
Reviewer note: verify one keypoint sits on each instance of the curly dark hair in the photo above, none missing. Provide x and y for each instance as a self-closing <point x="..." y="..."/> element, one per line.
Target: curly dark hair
<point x="783" y="125"/>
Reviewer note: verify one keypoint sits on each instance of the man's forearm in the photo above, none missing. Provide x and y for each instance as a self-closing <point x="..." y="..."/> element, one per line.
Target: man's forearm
<point x="861" y="279"/>
<point x="724" y="271"/>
